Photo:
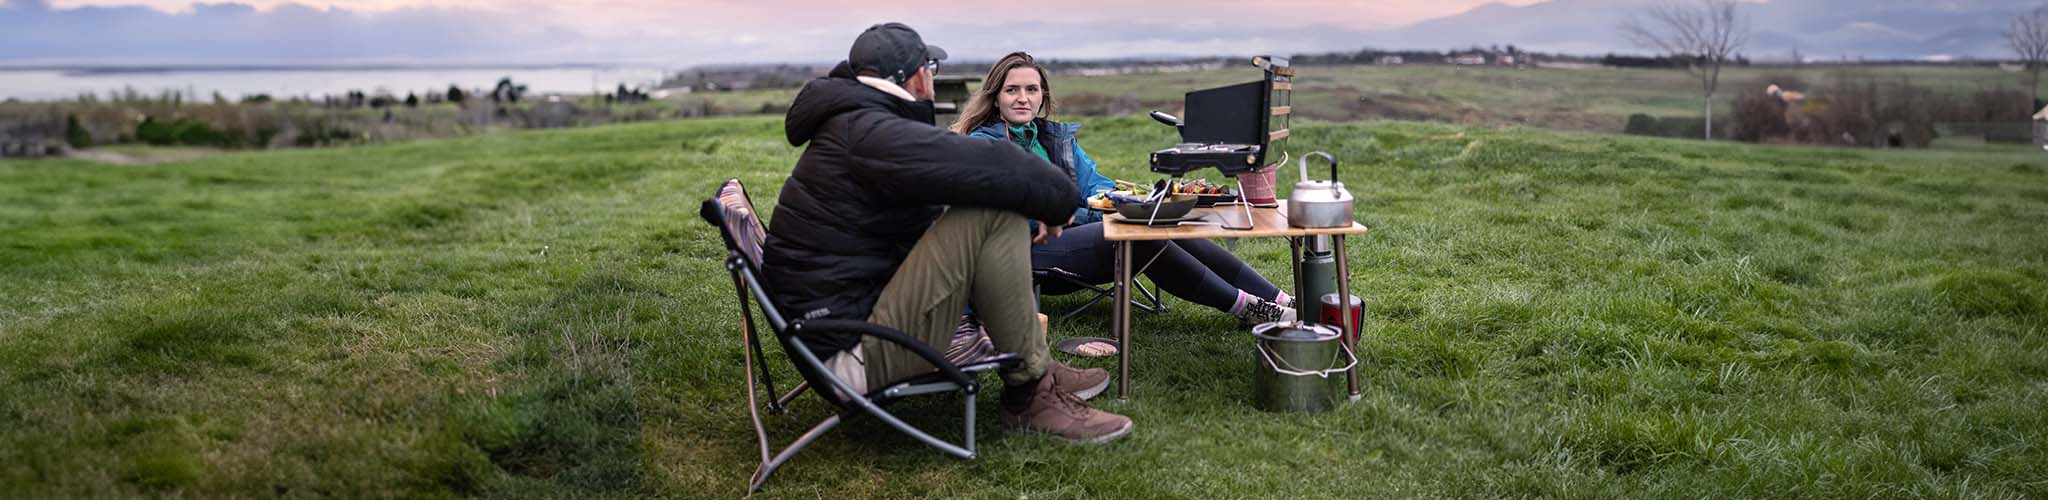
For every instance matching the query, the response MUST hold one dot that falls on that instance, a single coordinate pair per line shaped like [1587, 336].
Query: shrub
[186, 132]
[1867, 113]
[1759, 116]
[1852, 109]
[155, 133]
[1683, 127]
[1990, 105]
[1874, 114]
[76, 134]
[321, 133]
[1908, 114]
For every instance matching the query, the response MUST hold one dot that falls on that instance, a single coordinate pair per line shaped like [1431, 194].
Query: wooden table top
[1266, 222]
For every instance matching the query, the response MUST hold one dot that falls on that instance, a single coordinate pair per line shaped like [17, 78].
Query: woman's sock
[1243, 300]
[1284, 299]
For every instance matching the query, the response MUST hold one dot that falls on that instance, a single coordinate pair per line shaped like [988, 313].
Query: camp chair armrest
[893, 336]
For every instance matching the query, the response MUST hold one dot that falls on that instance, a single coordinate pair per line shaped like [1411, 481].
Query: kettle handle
[1326, 156]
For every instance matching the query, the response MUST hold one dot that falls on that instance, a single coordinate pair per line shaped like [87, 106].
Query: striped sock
[1285, 299]
[1243, 300]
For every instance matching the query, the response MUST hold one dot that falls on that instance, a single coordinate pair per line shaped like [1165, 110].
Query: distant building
[1390, 60]
[1471, 59]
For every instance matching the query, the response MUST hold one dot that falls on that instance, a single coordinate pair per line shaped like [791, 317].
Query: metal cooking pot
[1316, 204]
[1297, 366]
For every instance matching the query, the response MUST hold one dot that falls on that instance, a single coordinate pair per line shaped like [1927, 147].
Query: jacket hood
[839, 93]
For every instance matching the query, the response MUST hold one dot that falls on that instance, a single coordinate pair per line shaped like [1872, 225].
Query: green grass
[541, 314]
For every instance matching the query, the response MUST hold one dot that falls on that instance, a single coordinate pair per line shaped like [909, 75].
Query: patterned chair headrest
[738, 221]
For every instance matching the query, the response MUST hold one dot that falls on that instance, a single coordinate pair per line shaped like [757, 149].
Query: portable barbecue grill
[1230, 128]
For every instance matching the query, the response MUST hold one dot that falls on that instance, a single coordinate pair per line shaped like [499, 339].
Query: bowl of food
[1170, 207]
[1207, 194]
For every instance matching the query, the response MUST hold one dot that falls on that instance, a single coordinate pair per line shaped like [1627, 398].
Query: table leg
[1344, 310]
[1121, 323]
[1302, 302]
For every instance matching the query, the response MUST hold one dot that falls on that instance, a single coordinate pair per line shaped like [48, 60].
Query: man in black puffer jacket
[891, 220]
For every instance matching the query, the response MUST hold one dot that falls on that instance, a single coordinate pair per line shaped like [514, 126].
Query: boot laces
[1065, 402]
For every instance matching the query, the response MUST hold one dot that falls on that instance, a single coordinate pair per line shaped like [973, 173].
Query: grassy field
[541, 314]
[1595, 99]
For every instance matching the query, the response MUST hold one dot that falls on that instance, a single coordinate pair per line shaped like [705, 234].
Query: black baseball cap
[892, 51]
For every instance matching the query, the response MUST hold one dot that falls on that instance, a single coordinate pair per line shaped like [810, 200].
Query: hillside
[542, 314]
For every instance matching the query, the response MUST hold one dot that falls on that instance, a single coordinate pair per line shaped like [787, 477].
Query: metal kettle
[1319, 204]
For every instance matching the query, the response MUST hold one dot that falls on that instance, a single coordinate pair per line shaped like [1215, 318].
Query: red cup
[1333, 315]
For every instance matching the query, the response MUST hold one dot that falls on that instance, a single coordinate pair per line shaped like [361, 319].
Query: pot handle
[1280, 365]
[1303, 165]
[1326, 156]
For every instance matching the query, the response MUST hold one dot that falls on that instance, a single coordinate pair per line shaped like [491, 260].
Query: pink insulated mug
[1260, 187]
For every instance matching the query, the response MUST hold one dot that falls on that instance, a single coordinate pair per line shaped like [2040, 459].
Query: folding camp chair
[1145, 299]
[970, 354]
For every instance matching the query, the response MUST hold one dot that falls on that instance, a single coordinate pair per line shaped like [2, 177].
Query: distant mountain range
[1817, 29]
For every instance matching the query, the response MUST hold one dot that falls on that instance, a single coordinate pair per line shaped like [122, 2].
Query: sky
[657, 16]
[702, 31]
[676, 33]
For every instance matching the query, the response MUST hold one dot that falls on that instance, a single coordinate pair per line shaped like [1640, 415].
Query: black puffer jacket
[875, 175]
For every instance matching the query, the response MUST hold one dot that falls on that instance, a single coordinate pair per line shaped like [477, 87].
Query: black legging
[1196, 270]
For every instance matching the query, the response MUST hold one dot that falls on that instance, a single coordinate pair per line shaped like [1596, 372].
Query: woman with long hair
[1012, 105]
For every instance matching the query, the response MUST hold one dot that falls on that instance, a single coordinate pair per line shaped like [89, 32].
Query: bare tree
[1705, 35]
[2028, 38]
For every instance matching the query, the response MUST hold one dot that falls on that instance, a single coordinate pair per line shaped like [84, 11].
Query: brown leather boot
[1082, 383]
[1064, 416]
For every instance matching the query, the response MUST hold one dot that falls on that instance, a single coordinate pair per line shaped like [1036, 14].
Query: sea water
[232, 83]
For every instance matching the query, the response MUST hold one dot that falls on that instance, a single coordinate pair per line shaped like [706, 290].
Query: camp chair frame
[1146, 299]
[732, 212]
